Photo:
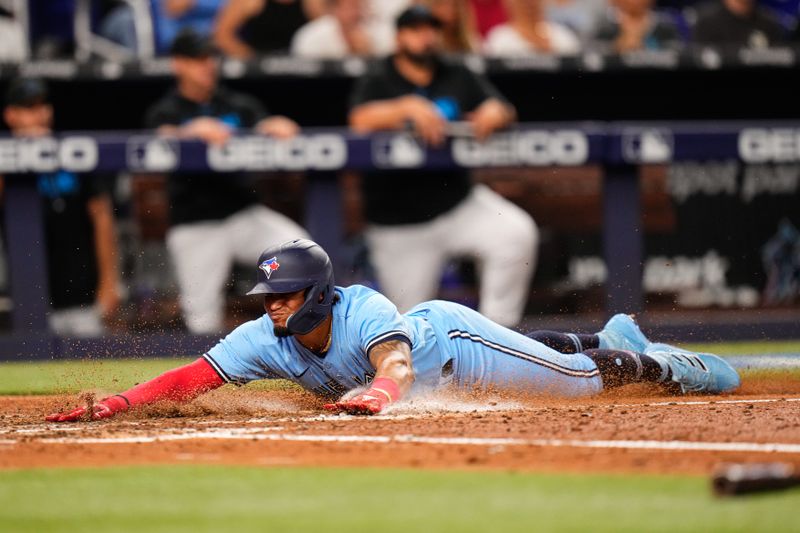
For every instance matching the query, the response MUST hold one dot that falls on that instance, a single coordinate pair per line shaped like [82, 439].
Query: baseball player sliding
[351, 344]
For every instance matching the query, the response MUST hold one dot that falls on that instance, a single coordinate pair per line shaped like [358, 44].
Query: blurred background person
[634, 25]
[386, 11]
[581, 16]
[248, 27]
[51, 29]
[528, 31]
[458, 33]
[215, 219]
[171, 16]
[345, 31]
[487, 14]
[738, 23]
[80, 233]
[12, 38]
[419, 219]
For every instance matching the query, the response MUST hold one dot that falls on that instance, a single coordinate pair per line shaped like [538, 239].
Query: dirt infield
[632, 430]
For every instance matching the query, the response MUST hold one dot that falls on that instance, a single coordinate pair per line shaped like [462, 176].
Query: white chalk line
[399, 416]
[702, 402]
[250, 434]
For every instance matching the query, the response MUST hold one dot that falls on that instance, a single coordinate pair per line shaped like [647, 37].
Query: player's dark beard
[281, 331]
[426, 58]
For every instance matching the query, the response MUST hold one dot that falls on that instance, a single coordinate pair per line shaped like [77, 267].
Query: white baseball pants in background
[499, 235]
[203, 254]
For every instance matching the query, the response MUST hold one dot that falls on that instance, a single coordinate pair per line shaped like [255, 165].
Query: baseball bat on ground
[738, 479]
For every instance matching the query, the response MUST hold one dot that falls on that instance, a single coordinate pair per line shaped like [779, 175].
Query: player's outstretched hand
[100, 410]
[367, 403]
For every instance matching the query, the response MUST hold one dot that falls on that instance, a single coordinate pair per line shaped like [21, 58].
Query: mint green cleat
[695, 372]
[622, 333]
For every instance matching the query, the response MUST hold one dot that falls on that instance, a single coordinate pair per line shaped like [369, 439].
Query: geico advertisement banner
[314, 152]
[523, 148]
[769, 145]
[46, 154]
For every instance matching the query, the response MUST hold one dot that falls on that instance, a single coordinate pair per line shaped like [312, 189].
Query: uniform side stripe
[522, 355]
[701, 363]
[692, 360]
[387, 336]
[217, 368]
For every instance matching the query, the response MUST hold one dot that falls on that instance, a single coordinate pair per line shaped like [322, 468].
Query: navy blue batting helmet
[294, 266]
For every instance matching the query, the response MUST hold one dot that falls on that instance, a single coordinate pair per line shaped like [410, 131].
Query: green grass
[242, 499]
[746, 347]
[51, 377]
[108, 375]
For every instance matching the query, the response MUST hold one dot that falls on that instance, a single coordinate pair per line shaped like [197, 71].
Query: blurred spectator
[216, 220]
[739, 23]
[581, 16]
[79, 224]
[458, 36]
[386, 11]
[781, 259]
[786, 11]
[118, 25]
[528, 31]
[12, 39]
[51, 28]
[633, 25]
[420, 218]
[247, 27]
[171, 16]
[487, 14]
[345, 31]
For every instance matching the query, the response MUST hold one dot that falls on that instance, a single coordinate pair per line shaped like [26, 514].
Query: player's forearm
[234, 47]
[315, 8]
[226, 38]
[398, 368]
[177, 8]
[105, 237]
[392, 360]
[379, 115]
[503, 114]
[394, 375]
[181, 385]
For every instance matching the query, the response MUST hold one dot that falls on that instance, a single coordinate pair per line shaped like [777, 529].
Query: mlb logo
[647, 145]
[153, 154]
[269, 266]
[400, 150]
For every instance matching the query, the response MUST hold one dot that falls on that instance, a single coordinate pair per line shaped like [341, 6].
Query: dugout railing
[620, 148]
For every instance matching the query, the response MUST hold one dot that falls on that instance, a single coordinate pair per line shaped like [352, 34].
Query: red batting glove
[106, 408]
[382, 392]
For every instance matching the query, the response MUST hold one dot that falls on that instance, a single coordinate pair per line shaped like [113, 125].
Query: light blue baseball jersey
[485, 354]
[449, 343]
[362, 318]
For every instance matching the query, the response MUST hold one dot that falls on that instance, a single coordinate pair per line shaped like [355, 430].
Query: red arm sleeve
[181, 384]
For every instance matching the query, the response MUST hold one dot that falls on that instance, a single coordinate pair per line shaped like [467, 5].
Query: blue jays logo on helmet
[269, 266]
[306, 267]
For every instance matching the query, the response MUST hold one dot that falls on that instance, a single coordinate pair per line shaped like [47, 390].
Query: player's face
[740, 6]
[634, 7]
[419, 43]
[523, 9]
[280, 307]
[199, 72]
[25, 119]
[446, 11]
[349, 12]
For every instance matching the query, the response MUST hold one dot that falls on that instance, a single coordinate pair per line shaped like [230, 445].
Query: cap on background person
[193, 45]
[26, 92]
[417, 15]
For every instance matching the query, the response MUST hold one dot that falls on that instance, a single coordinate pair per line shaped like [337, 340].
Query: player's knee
[524, 234]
